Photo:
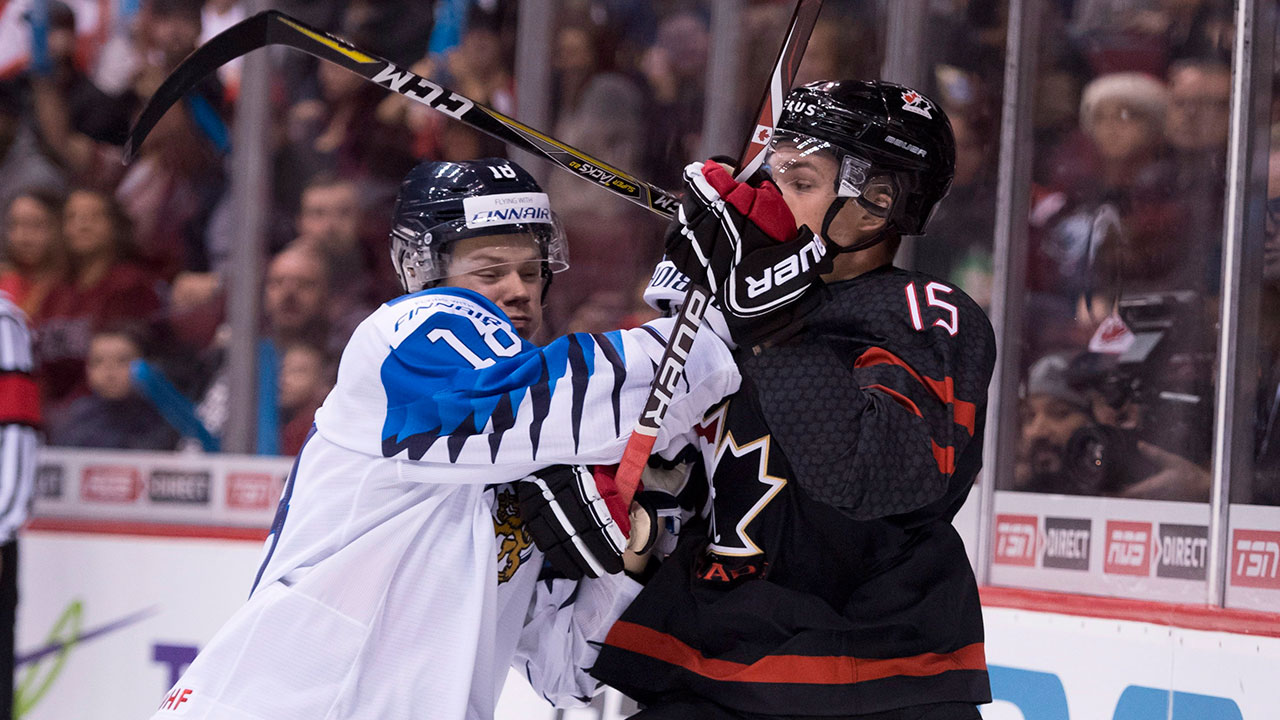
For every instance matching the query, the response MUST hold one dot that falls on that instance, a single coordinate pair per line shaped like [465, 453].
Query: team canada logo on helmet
[913, 101]
[889, 130]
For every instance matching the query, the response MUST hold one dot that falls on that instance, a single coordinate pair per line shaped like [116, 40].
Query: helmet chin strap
[836, 206]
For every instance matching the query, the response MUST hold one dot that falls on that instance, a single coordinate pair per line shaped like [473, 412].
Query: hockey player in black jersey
[829, 581]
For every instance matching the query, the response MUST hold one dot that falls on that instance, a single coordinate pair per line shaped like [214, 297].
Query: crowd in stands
[115, 263]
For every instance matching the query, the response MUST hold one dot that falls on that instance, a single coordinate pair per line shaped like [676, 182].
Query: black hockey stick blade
[671, 367]
[239, 39]
[275, 28]
[784, 73]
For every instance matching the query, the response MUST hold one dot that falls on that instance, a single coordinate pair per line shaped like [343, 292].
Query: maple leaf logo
[916, 103]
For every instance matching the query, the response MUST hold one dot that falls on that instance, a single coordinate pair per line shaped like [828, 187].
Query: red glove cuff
[607, 486]
[762, 206]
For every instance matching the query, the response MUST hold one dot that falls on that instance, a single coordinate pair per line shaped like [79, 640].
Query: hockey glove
[571, 523]
[742, 242]
[666, 293]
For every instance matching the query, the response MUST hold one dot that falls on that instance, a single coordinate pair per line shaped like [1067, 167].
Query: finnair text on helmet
[506, 209]
[788, 268]
[508, 216]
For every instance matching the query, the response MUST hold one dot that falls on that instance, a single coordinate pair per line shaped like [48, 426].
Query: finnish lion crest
[514, 544]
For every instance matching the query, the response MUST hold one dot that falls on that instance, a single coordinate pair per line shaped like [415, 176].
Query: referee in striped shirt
[19, 418]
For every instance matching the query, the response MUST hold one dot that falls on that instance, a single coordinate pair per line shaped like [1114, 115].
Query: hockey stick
[671, 367]
[276, 28]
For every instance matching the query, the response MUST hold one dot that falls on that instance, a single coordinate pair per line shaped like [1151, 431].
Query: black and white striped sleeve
[19, 418]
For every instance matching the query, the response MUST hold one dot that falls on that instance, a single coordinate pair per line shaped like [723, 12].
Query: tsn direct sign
[1016, 537]
[1255, 559]
[110, 484]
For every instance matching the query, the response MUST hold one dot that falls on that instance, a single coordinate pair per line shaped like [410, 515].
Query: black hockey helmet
[441, 203]
[878, 131]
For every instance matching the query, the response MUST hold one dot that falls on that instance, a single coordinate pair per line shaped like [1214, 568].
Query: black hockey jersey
[830, 581]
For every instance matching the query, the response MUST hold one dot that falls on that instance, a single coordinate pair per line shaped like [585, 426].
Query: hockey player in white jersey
[400, 580]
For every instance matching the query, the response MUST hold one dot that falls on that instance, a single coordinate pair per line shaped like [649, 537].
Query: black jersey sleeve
[878, 406]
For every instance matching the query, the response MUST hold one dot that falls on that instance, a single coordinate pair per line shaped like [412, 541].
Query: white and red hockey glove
[577, 522]
[741, 241]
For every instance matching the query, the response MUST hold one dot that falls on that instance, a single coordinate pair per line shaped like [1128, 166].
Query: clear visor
[424, 256]
[800, 163]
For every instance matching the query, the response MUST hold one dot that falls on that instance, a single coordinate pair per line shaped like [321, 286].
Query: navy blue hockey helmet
[894, 147]
[441, 203]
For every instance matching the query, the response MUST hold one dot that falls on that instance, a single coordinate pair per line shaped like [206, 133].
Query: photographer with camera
[1104, 423]
[1051, 412]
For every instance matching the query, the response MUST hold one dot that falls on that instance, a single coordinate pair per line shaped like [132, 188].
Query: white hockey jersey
[398, 582]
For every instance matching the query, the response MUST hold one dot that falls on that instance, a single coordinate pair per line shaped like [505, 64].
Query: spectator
[1077, 438]
[1113, 223]
[602, 114]
[1124, 115]
[295, 296]
[1199, 109]
[476, 68]
[19, 418]
[22, 165]
[1050, 412]
[172, 30]
[172, 188]
[103, 286]
[35, 256]
[79, 124]
[966, 222]
[112, 415]
[339, 133]
[330, 220]
[1197, 131]
[90, 111]
[675, 68]
[306, 376]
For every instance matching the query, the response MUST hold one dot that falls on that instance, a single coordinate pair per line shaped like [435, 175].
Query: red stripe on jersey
[965, 412]
[946, 458]
[902, 400]
[790, 669]
[19, 399]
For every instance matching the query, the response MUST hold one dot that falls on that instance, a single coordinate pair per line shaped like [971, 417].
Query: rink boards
[114, 604]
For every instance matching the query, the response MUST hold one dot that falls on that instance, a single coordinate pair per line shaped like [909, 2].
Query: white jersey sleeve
[566, 625]
[440, 377]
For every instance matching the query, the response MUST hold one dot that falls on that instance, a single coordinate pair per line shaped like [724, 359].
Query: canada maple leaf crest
[916, 103]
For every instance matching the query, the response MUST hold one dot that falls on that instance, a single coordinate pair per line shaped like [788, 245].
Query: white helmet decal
[916, 103]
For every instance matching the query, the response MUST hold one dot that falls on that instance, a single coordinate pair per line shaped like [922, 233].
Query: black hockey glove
[741, 241]
[571, 522]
